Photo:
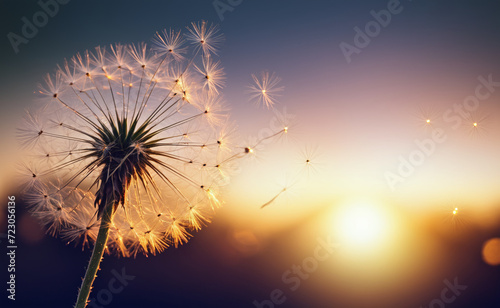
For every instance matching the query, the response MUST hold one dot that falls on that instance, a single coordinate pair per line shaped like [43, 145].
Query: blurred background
[407, 224]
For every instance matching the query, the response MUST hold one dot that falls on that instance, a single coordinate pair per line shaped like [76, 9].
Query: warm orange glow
[491, 251]
[475, 124]
[428, 121]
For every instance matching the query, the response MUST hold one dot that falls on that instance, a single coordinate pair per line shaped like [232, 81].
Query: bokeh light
[491, 251]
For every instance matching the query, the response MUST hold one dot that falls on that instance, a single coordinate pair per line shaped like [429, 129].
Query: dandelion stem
[95, 259]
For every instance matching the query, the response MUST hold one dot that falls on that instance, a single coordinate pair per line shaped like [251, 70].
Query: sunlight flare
[360, 223]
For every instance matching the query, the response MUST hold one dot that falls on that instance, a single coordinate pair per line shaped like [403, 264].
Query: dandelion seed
[170, 42]
[310, 160]
[264, 91]
[285, 189]
[213, 75]
[477, 124]
[427, 115]
[273, 199]
[204, 37]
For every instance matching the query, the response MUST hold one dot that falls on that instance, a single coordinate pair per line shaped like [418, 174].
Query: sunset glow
[361, 224]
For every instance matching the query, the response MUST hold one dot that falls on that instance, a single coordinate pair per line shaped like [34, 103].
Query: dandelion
[265, 89]
[131, 148]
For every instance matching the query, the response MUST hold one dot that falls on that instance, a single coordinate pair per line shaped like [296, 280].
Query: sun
[360, 223]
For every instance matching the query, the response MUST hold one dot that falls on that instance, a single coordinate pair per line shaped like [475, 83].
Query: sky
[387, 120]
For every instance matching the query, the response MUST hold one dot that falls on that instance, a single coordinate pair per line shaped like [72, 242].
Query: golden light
[475, 124]
[491, 251]
[264, 91]
[428, 121]
[360, 223]
[455, 211]
[286, 129]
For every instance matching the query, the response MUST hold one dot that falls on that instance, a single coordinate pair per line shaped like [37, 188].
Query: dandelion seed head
[135, 128]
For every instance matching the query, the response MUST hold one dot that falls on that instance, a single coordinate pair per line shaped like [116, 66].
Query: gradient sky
[360, 117]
